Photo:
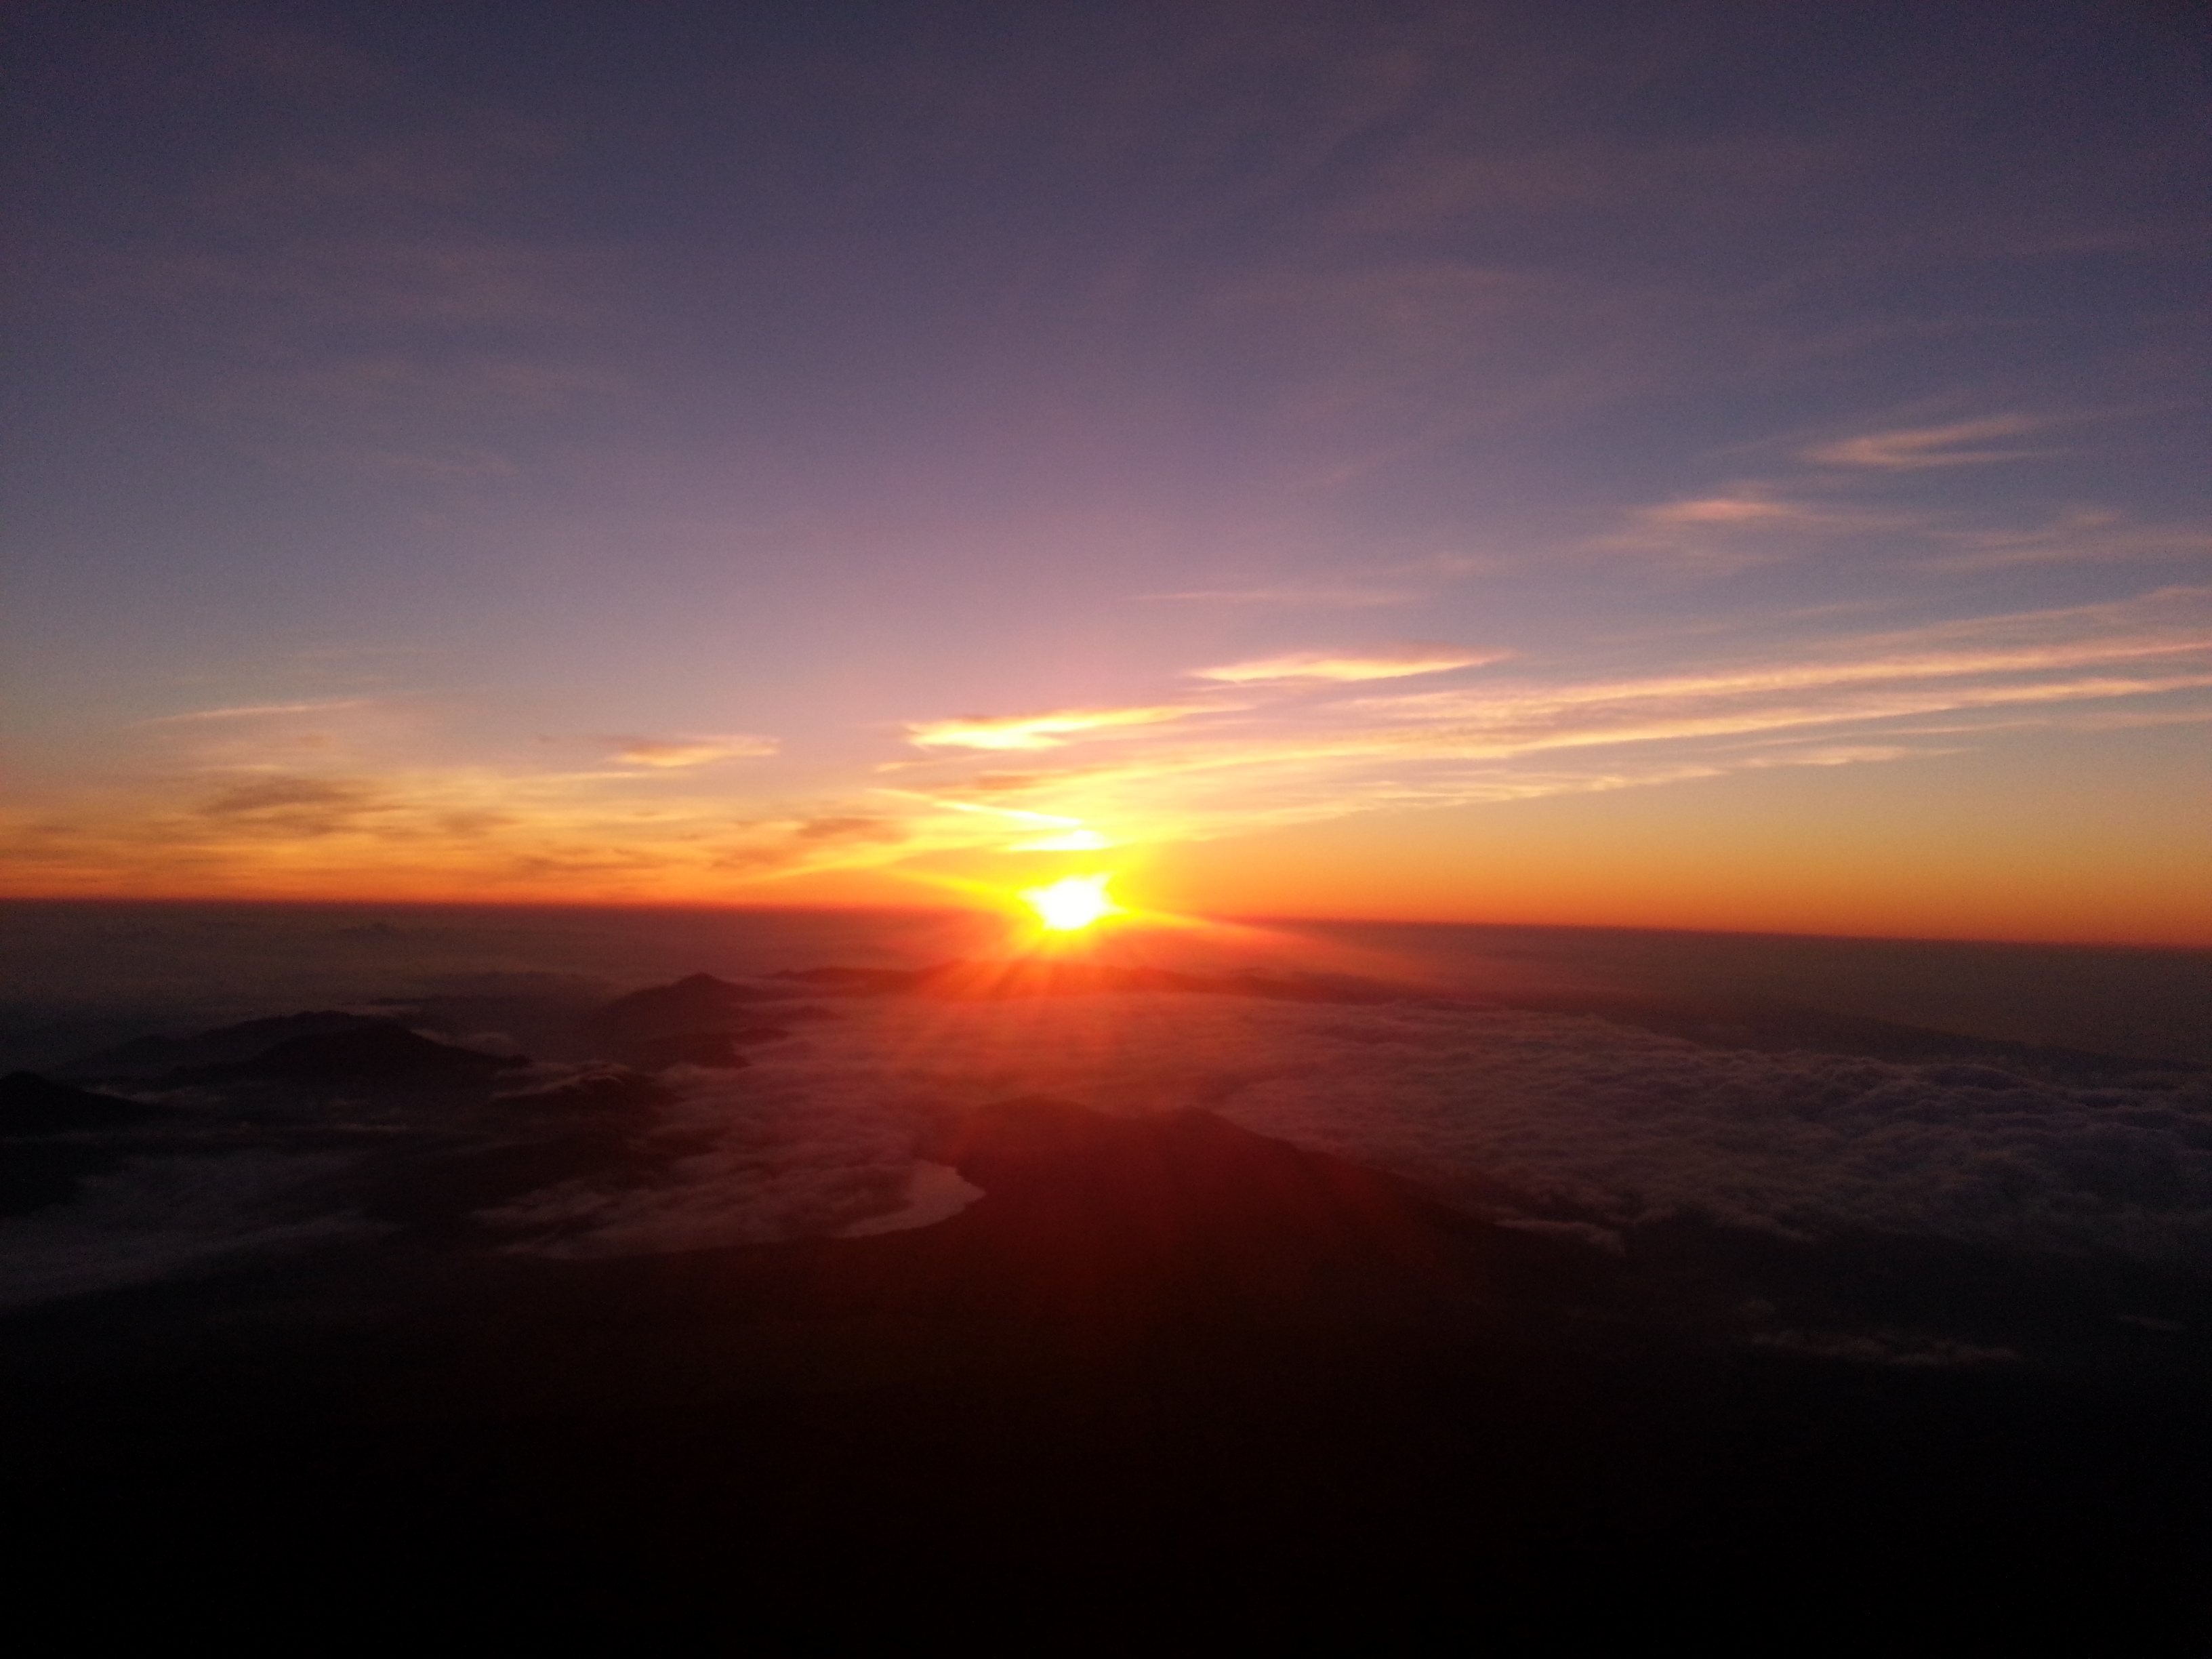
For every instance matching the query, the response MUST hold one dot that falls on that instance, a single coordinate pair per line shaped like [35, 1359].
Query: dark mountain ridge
[152, 1056]
[372, 1052]
[1166, 1372]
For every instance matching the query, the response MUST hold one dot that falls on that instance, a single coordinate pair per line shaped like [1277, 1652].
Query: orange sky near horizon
[1444, 461]
[1979, 848]
[1949, 859]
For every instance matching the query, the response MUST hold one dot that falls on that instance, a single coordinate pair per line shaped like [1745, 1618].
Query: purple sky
[654, 451]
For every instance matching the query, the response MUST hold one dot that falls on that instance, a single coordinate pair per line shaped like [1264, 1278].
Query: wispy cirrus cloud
[1667, 712]
[1767, 680]
[1299, 757]
[1744, 509]
[1957, 443]
[255, 711]
[1047, 832]
[1046, 731]
[1747, 524]
[1386, 664]
[1869, 487]
[666, 753]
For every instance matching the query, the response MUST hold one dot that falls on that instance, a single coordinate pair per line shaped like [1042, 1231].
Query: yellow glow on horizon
[1071, 903]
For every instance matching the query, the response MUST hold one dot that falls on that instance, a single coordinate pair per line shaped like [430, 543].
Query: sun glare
[1071, 903]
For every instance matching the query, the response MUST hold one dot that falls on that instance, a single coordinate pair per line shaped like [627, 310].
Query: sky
[1658, 465]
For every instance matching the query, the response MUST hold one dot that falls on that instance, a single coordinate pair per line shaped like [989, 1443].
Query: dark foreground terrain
[394, 1363]
[1167, 1382]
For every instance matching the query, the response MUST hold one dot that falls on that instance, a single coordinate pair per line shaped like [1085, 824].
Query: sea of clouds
[1557, 1123]
[1550, 1118]
[161, 1216]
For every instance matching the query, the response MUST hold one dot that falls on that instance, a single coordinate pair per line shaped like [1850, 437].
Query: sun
[1070, 903]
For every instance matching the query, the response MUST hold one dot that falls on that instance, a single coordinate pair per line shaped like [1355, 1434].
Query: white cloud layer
[1519, 1115]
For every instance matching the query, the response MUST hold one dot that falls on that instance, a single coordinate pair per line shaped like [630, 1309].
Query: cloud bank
[1549, 1119]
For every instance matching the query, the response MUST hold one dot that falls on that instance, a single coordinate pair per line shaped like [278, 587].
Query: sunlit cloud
[1833, 705]
[1015, 813]
[1067, 834]
[1777, 679]
[1042, 731]
[672, 752]
[1607, 721]
[1071, 840]
[1746, 524]
[1727, 509]
[253, 711]
[1914, 447]
[1384, 664]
